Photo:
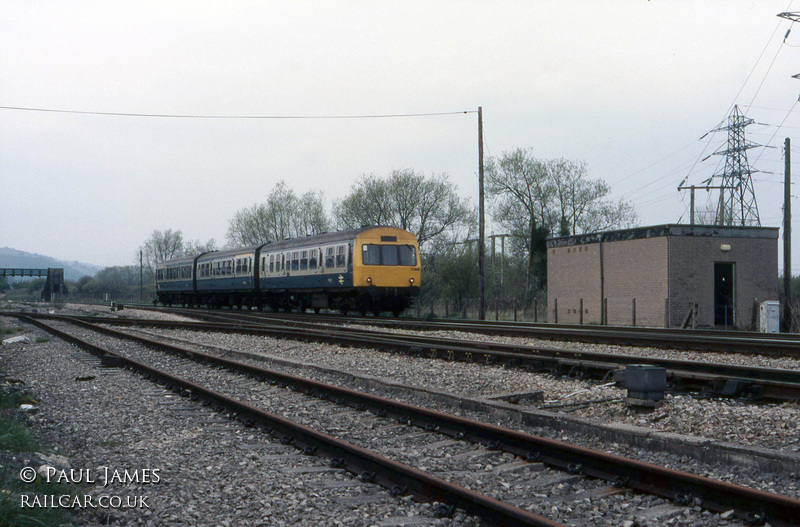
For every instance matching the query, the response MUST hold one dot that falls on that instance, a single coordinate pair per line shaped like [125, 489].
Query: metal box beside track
[769, 320]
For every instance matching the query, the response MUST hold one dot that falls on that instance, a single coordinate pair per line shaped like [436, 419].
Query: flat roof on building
[656, 231]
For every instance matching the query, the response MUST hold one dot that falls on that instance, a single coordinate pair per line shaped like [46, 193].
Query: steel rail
[765, 383]
[682, 487]
[697, 339]
[399, 478]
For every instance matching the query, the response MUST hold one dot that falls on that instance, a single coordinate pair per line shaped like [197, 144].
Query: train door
[724, 294]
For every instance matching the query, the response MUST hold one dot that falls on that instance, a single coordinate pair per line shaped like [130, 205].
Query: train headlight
[411, 281]
[369, 280]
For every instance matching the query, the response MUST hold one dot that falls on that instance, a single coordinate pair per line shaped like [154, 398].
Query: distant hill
[20, 259]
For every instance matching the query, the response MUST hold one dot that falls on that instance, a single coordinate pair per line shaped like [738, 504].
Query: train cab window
[312, 260]
[304, 260]
[329, 257]
[389, 255]
[371, 254]
[340, 256]
[295, 261]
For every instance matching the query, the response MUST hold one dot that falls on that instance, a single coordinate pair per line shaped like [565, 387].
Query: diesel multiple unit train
[371, 269]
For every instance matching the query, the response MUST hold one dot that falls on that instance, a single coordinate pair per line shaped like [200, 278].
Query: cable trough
[683, 488]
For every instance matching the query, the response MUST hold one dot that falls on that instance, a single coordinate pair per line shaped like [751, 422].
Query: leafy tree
[428, 207]
[283, 215]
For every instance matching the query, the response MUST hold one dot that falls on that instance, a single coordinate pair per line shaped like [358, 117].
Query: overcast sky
[627, 86]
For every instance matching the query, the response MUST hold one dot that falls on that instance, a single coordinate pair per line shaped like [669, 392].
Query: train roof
[315, 239]
[177, 261]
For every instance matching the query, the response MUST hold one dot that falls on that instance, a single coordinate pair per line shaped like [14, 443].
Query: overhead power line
[188, 116]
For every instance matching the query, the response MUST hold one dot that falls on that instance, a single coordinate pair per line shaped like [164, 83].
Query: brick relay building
[665, 275]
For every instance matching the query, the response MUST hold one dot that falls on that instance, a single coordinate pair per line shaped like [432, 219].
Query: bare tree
[428, 207]
[582, 206]
[195, 247]
[162, 245]
[169, 244]
[536, 198]
[283, 215]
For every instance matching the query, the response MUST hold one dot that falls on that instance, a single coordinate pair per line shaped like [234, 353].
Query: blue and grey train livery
[368, 269]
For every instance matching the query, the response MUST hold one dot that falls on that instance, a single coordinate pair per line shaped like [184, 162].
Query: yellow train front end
[386, 269]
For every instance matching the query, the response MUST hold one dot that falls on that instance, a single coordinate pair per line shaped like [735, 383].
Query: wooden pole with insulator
[482, 224]
[787, 237]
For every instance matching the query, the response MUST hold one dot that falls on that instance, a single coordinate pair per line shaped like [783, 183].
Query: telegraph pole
[787, 236]
[482, 225]
[141, 281]
[692, 189]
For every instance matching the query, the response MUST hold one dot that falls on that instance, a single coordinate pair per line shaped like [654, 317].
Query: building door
[724, 294]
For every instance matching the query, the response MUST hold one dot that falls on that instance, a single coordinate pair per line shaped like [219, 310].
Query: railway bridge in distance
[54, 284]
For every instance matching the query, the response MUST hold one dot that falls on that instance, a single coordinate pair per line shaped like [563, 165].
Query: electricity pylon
[737, 199]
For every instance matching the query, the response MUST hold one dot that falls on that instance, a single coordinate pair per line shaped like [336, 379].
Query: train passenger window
[340, 256]
[312, 260]
[295, 261]
[304, 261]
[271, 263]
[238, 266]
[329, 257]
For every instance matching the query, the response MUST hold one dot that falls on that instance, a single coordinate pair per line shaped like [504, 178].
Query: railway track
[719, 379]
[771, 344]
[685, 489]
